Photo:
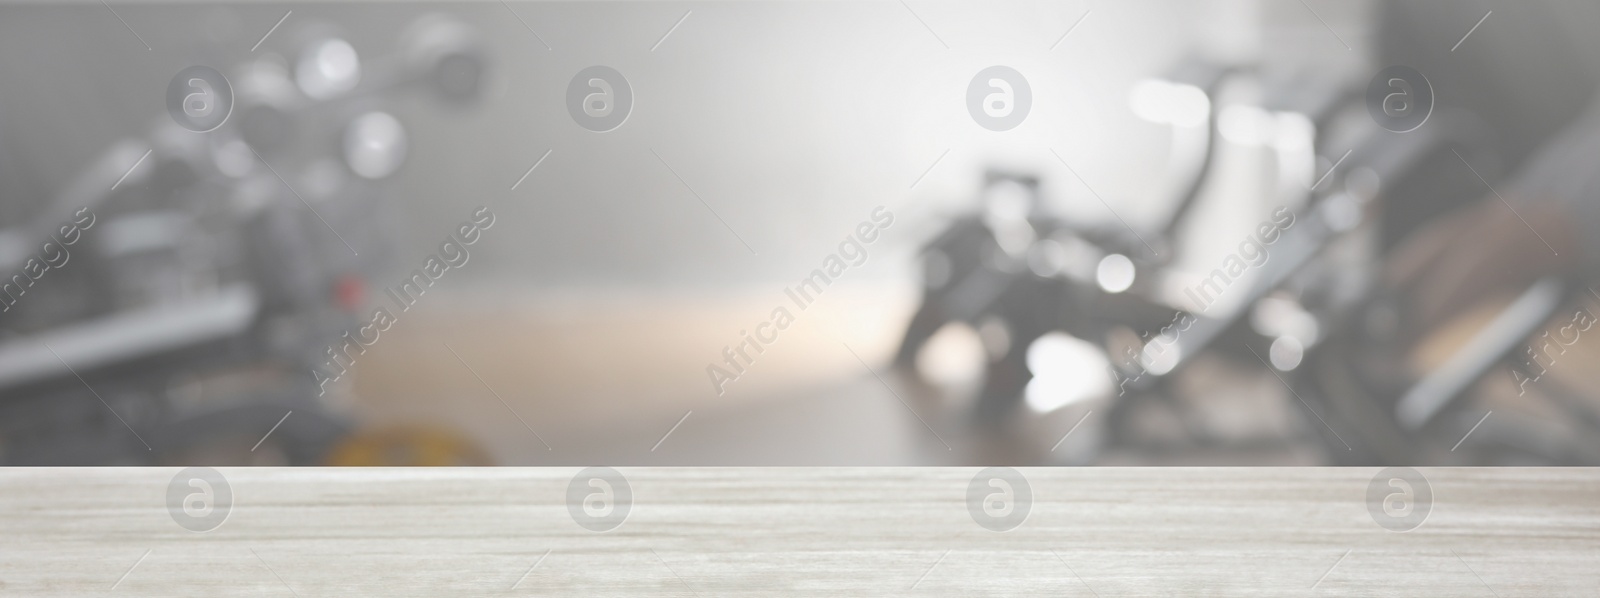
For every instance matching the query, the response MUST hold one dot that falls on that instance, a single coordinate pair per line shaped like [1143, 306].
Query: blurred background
[1251, 232]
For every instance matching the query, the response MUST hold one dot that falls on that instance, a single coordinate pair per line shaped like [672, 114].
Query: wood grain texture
[812, 532]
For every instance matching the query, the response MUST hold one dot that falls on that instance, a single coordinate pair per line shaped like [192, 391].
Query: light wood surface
[793, 531]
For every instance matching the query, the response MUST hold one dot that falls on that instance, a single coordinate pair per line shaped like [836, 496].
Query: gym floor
[612, 377]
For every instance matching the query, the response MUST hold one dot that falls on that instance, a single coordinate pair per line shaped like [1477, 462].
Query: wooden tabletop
[798, 531]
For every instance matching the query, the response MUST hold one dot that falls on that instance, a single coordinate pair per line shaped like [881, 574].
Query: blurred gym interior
[790, 240]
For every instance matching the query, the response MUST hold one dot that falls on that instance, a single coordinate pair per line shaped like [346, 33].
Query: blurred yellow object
[407, 446]
[1432, 351]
